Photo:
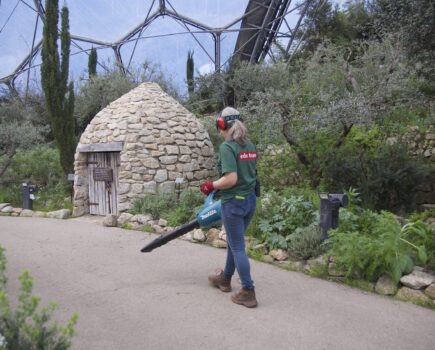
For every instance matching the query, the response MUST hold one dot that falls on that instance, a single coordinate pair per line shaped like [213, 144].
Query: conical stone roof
[159, 140]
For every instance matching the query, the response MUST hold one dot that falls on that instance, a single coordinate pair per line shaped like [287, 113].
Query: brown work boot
[245, 297]
[219, 280]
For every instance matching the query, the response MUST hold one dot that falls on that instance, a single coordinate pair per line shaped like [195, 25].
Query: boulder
[319, 262]
[212, 234]
[386, 286]
[142, 219]
[124, 217]
[188, 236]
[430, 291]
[415, 296]
[110, 220]
[4, 205]
[158, 229]
[162, 223]
[59, 214]
[268, 259]
[39, 214]
[279, 254]
[219, 243]
[27, 213]
[198, 235]
[333, 271]
[294, 265]
[417, 279]
[262, 248]
[7, 209]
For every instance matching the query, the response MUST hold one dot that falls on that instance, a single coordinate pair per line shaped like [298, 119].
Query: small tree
[190, 67]
[28, 326]
[16, 131]
[59, 95]
[331, 93]
[92, 63]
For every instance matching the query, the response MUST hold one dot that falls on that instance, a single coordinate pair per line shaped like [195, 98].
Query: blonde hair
[238, 133]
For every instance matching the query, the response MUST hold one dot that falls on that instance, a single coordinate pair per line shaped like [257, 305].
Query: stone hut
[144, 142]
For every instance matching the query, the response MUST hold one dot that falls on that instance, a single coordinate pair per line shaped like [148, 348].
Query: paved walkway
[161, 300]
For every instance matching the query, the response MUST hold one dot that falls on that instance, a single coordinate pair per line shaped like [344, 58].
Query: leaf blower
[210, 214]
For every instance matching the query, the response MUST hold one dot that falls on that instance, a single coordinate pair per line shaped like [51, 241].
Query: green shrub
[39, 166]
[284, 215]
[306, 243]
[422, 215]
[28, 327]
[153, 204]
[387, 249]
[278, 168]
[177, 211]
[422, 234]
[385, 175]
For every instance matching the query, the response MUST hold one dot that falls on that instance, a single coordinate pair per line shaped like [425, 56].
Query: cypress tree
[189, 72]
[59, 95]
[92, 63]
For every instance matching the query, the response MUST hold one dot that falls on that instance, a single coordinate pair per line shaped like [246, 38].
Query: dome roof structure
[141, 143]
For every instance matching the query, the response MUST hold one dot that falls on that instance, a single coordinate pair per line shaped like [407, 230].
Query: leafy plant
[39, 166]
[287, 215]
[275, 241]
[306, 243]
[177, 211]
[28, 327]
[385, 250]
[422, 215]
[422, 236]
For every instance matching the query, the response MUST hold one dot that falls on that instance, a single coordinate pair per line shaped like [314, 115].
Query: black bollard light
[28, 195]
[330, 204]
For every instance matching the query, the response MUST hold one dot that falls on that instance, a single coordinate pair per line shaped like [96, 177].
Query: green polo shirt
[241, 160]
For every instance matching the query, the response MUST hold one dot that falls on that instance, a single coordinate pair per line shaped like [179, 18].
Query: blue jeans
[236, 216]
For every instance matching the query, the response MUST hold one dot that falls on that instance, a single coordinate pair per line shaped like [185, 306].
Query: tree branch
[292, 142]
[9, 155]
[349, 76]
[344, 133]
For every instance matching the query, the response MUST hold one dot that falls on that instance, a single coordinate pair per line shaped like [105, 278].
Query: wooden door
[103, 182]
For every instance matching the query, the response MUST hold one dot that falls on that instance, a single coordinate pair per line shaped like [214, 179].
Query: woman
[237, 182]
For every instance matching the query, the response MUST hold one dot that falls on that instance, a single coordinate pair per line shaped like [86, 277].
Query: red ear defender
[220, 122]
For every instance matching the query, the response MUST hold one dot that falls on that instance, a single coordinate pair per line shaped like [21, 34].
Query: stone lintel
[100, 147]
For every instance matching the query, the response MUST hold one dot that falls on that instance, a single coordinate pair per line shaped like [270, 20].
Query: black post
[28, 195]
[27, 202]
[330, 204]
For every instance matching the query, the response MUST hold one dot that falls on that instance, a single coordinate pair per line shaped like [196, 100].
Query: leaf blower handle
[207, 187]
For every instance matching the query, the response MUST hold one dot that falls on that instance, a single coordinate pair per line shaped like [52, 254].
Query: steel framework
[262, 23]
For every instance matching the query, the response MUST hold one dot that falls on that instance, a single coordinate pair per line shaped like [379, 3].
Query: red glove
[207, 187]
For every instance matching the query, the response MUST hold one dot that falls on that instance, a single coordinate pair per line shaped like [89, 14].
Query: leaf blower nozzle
[210, 214]
[163, 239]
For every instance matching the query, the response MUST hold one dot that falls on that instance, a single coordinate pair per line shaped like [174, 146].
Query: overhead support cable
[308, 2]
[319, 4]
[139, 35]
[40, 9]
[10, 15]
[259, 27]
[184, 19]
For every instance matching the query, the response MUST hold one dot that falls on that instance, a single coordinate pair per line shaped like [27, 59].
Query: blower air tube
[163, 239]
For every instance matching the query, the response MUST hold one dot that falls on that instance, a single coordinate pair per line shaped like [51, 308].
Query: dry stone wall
[161, 141]
[421, 143]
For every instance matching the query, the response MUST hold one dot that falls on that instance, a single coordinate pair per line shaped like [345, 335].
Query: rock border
[7, 210]
[417, 287]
